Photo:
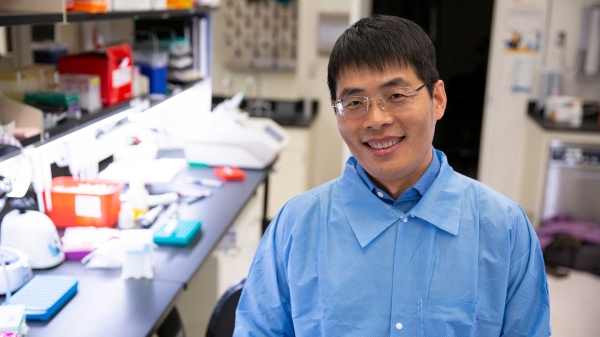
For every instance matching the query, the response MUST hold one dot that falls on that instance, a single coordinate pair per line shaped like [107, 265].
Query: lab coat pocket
[447, 318]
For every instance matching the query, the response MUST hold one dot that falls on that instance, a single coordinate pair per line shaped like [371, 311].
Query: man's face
[409, 131]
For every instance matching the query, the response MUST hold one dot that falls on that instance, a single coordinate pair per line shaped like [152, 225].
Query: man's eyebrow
[395, 82]
[351, 91]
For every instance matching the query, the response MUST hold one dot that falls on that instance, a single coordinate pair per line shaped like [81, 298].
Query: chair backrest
[222, 321]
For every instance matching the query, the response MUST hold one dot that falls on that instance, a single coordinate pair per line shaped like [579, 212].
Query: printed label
[121, 77]
[88, 206]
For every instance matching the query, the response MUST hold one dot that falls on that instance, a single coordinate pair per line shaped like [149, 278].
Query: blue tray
[45, 295]
[180, 235]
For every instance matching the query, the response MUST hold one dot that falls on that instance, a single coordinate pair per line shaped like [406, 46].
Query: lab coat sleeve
[527, 310]
[264, 307]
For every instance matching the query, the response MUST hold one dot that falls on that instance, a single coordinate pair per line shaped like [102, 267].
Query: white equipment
[14, 266]
[34, 234]
[228, 137]
[15, 270]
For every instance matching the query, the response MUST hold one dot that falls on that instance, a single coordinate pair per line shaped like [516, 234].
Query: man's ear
[439, 99]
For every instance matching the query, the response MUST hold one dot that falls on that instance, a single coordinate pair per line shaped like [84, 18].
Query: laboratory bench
[107, 305]
[217, 213]
[590, 123]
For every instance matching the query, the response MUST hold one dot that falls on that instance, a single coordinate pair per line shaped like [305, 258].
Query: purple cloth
[563, 224]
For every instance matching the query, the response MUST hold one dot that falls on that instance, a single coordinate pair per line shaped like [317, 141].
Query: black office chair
[222, 321]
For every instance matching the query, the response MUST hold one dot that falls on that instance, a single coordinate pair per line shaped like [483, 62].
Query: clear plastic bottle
[138, 197]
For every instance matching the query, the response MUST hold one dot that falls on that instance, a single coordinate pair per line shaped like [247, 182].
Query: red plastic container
[71, 208]
[114, 66]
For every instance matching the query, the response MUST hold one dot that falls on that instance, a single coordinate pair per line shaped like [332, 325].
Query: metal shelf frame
[21, 17]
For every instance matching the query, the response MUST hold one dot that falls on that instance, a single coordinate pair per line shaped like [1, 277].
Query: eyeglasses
[392, 100]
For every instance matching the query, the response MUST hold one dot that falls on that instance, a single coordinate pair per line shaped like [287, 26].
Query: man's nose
[377, 116]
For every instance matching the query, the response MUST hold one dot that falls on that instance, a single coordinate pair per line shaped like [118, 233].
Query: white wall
[309, 80]
[503, 140]
[327, 144]
[358, 10]
[275, 85]
[566, 16]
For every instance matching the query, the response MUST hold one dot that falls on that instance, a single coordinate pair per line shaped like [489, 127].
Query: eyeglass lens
[392, 100]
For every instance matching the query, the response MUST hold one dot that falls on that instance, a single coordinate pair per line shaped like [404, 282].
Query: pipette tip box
[45, 295]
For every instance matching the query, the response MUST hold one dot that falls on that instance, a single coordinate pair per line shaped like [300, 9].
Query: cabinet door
[290, 175]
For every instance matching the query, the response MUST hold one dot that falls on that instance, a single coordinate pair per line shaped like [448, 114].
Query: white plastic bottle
[126, 216]
[138, 197]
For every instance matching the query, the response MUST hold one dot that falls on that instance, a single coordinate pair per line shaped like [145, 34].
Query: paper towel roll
[592, 59]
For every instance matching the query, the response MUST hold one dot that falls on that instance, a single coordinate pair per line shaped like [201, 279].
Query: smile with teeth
[384, 145]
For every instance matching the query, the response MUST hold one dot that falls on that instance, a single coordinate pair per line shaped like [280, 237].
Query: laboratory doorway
[460, 31]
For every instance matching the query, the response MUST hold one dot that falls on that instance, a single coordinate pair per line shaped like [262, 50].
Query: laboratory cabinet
[538, 165]
[229, 263]
[289, 176]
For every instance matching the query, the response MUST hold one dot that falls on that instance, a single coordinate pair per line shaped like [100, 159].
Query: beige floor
[575, 305]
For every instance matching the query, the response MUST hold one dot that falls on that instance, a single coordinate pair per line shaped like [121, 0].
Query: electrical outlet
[561, 39]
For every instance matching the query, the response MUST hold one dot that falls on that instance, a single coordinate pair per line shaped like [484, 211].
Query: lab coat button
[405, 219]
[399, 326]
[379, 194]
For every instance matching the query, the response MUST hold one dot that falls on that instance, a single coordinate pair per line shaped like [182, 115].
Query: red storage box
[114, 66]
[84, 202]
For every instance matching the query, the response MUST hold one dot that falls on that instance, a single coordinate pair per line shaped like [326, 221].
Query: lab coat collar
[369, 216]
[441, 204]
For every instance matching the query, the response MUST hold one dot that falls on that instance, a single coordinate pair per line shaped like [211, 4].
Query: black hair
[380, 41]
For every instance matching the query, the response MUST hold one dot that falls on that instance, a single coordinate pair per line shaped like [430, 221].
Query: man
[400, 245]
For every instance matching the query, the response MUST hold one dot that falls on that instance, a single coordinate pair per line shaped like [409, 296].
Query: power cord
[6, 279]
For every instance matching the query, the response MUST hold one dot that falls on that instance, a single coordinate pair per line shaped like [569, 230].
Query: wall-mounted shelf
[139, 15]
[21, 17]
[48, 12]
[72, 126]
[87, 119]
[15, 18]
